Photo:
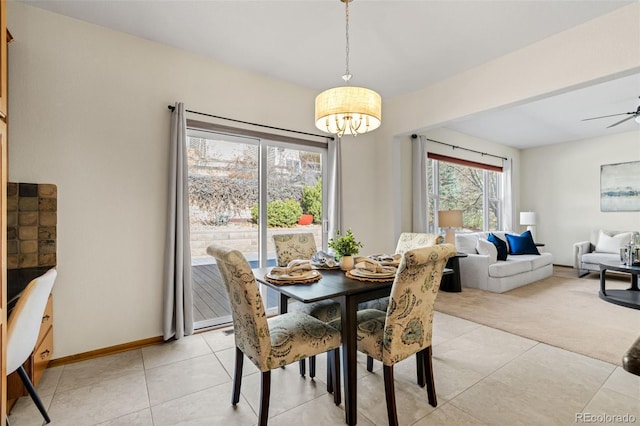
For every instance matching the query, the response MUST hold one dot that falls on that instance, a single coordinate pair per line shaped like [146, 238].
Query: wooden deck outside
[209, 295]
[210, 299]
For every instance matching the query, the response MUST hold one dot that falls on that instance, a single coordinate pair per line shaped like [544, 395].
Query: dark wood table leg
[634, 283]
[349, 358]
[283, 303]
[602, 274]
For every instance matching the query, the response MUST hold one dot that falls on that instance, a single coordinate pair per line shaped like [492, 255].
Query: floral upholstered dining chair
[405, 328]
[413, 240]
[407, 241]
[273, 342]
[295, 246]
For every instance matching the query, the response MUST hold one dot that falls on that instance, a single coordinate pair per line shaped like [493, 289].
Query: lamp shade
[450, 218]
[348, 109]
[528, 218]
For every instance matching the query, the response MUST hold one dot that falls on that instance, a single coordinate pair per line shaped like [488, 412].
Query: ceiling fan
[631, 115]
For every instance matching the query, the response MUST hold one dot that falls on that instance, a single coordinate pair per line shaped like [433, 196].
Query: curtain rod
[171, 107]
[414, 136]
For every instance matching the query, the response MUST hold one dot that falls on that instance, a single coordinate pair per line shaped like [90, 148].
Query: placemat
[290, 282]
[371, 279]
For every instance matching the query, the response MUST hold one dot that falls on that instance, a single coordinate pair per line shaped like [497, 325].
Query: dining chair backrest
[414, 240]
[251, 329]
[294, 246]
[23, 325]
[409, 320]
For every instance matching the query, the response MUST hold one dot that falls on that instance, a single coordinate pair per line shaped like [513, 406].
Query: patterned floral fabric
[324, 310]
[303, 246]
[406, 327]
[407, 241]
[413, 240]
[274, 342]
[294, 246]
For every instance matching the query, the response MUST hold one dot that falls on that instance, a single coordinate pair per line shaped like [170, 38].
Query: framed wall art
[620, 187]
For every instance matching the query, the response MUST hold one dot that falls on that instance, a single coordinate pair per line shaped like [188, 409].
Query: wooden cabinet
[37, 362]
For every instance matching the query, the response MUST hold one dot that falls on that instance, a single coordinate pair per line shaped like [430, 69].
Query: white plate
[368, 274]
[285, 277]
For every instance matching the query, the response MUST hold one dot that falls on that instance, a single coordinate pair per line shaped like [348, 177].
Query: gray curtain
[507, 195]
[419, 187]
[178, 298]
[334, 161]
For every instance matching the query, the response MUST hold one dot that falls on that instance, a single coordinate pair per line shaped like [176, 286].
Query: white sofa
[480, 271]
[604, 245]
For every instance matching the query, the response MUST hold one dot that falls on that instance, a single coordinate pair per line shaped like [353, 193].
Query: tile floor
[483, 376]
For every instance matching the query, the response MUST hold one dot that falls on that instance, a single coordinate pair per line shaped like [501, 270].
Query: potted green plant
[345, 247]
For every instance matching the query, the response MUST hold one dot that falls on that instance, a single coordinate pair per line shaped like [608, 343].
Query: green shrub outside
[281, 214]
[312, 201]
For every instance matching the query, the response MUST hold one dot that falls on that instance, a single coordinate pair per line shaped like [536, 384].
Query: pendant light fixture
[348, 109]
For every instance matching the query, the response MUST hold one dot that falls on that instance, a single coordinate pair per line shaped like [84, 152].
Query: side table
[451, 282]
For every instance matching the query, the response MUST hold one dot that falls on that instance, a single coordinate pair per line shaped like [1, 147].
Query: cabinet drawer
[47, 319]
[42, 355]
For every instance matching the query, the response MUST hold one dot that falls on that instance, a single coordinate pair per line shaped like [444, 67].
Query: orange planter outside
[305, 219]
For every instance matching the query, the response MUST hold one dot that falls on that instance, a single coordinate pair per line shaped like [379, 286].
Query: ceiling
[396, 47]
[559, 118]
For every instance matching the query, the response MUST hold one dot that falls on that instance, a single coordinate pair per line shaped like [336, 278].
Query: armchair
[603, 245]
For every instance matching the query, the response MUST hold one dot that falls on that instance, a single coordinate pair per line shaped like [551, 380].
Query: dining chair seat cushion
[295, 336]
[324, 310]
[370, 331]
[362, 316]
[379, 304]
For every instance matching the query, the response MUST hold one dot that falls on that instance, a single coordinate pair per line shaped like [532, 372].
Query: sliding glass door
[241, 192]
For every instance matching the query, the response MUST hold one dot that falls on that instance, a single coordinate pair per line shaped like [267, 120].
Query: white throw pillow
[466, 242]
[487, 248]
[607, 244]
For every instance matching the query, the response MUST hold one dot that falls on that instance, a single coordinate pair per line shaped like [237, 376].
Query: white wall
[562, 184]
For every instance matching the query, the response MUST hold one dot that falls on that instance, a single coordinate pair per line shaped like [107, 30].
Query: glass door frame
[263, 178]
[263, 145]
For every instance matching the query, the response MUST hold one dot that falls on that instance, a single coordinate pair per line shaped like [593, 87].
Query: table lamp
[530, 219]
[450, 219]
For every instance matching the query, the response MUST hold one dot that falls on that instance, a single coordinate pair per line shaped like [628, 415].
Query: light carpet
[560, 311]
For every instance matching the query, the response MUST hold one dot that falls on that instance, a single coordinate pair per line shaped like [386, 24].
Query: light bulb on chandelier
[348, 109]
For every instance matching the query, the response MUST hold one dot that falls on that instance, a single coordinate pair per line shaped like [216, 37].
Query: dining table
[348, 292]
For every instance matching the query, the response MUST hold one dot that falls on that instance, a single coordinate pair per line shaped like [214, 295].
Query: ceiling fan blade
[621, 121]
[605, 116]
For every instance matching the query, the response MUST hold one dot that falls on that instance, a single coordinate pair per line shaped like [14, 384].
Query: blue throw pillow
[522, 244]
[500, 245]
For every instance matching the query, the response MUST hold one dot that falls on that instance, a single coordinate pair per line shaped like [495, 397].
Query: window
[474, 188]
